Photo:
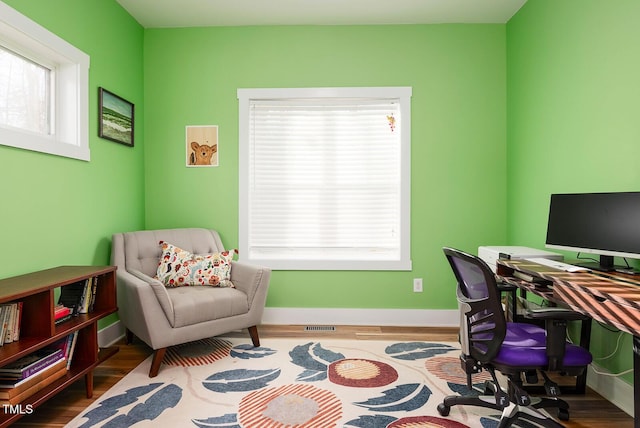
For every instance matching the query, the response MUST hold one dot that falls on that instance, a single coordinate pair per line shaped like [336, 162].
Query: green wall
[566, 72]
[60, 211]
[573, 72]
[458, 75]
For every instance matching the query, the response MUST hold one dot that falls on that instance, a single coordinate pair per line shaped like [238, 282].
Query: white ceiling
[205, 13]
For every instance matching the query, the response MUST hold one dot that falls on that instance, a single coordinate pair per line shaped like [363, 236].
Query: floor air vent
[319, 328]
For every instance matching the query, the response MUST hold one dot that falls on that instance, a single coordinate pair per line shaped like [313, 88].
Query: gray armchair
[163, 317]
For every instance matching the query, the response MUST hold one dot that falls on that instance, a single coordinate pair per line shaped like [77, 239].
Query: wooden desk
[609, 298]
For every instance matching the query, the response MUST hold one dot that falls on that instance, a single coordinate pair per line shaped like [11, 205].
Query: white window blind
[326, 179]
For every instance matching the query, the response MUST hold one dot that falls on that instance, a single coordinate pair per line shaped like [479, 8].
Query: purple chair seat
[525, 346]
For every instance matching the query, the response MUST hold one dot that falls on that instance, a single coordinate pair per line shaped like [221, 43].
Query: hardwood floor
[587, 411]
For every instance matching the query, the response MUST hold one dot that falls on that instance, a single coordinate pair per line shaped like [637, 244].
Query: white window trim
[71, 109]
[402, 93]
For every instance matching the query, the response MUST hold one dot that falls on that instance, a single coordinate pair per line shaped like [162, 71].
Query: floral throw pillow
[178, 267]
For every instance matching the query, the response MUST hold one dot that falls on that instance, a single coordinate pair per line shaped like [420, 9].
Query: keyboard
[557, 265]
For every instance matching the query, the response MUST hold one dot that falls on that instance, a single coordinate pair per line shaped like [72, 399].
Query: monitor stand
[606, 265]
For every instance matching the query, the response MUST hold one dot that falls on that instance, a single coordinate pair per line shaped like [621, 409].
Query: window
[25, 92]
[43, 89]
[325, 178]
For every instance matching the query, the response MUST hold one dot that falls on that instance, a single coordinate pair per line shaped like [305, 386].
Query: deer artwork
[202, 153]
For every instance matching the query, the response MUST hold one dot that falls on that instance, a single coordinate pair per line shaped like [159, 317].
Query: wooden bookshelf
[37, 293]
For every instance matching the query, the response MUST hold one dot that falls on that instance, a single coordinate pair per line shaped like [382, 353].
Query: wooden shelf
[38, 329]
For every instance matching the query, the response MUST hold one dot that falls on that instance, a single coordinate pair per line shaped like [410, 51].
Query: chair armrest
[143, 276]
[503, 286]
[555, 322]
[554, 313]
[252, 280]
[136, 279]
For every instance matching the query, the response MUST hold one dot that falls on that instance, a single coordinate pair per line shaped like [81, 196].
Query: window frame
[403, 95]
[70, 87]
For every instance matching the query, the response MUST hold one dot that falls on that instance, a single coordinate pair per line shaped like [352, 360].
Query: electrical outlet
[417, 285]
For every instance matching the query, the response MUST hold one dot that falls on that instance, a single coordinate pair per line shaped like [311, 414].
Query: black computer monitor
[604, 224]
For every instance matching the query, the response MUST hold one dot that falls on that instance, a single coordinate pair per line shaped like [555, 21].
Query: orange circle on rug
[449, 370]
[361, 373]
[290, 405]
[198, 353]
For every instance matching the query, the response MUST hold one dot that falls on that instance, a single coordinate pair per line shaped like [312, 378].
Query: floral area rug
[227, 383]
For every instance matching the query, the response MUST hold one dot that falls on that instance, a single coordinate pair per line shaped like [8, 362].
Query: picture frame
[201, 146]
[116, 118]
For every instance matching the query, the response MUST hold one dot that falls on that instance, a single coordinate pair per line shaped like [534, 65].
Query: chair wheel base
[443, 409]
[563, 414]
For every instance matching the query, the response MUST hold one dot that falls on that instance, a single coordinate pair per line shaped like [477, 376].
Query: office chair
[517, 350]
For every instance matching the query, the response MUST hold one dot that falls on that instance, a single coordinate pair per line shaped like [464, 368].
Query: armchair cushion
[194, 305]
[178, 267]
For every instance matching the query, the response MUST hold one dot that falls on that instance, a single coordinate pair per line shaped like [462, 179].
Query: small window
[43, 89]
[325, 178]
[25, 91]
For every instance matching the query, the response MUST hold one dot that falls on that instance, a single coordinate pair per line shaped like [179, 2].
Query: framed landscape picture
[116, 118]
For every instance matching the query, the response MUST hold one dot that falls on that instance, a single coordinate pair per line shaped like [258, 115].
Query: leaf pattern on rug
[376, 421]
[246, 351]
[165, 398]
[240, 380]
[494, 420]
[417, 350]
[410, 396]
[456, 388]
[264, 377]
[315, 359]
[230, 420]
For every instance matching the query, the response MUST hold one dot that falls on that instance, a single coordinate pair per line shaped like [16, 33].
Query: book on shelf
[13, 313]
[10, 318]
[79, 296]
[10, 388]
[18, 395]
[94, 287]
[85, 300]
[64, 344]
[16, 327]
[4, 322]
[63, 319]
[73, 338]
[71, 294]
[60, 311]
[30, 364]
[61, 314]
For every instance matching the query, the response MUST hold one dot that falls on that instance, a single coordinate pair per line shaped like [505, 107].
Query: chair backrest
[482, 321]
[142, 250]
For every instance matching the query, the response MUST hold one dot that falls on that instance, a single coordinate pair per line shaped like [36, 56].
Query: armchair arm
[159, 290]
[140, 307]
[252, 280]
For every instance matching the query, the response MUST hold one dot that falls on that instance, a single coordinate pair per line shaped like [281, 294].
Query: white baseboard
[110, 334]
[306, 316]
[611, 388]
[343, 316]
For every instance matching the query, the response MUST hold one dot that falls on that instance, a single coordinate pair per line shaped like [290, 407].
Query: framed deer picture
[201, 146]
